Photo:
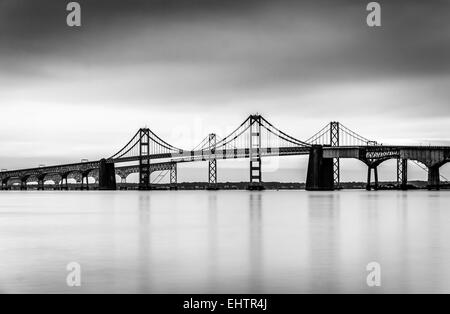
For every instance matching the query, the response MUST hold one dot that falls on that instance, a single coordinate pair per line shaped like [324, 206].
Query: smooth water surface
[225, 241]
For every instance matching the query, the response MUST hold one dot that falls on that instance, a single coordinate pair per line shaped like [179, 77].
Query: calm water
[224, 242]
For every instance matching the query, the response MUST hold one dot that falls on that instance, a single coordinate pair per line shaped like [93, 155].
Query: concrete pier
[433, 178]
[107, 176]
[369, 185]
[403, 174]
[320, 171]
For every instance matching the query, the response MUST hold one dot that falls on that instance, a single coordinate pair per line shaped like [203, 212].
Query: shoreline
[198, 186]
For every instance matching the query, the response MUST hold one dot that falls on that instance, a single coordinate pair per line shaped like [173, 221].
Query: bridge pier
[85, 179]
[173, 177]
[369, 185]
[41, 182]
[64, 182]
[402, 174]
[40, 185]
[107, 176]
[212, 164]
[4, 184]
[23, 184]
[320, 175]
[434, 179]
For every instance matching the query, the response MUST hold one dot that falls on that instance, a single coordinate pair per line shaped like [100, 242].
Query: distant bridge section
[80, 172]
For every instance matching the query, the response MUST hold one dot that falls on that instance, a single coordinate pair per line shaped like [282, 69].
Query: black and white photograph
[222, 152]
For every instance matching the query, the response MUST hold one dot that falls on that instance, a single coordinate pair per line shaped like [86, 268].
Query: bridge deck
[426, 154]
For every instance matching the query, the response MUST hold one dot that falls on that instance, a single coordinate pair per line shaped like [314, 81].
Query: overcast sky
[186, 68]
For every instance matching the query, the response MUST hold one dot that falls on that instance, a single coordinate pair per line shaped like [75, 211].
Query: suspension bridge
[254, 139]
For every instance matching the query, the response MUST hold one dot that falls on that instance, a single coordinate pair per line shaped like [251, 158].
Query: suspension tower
[144, 159]
[335, 142]
[212, 141]
[255, 153]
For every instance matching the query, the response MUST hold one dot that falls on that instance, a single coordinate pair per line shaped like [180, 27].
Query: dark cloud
[279, 39]
[311, 59]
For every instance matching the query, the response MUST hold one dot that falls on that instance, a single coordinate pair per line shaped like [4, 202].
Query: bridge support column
[107, 176]
[212, 163]
[320, 175]
[144, 160]
[369, 185]
[40, 184]
[402, 174]
[23, 184]
[434, 180]
[335, 142]
[64, 183]
[4, 184]
[255, 154]
[173, 177]
[85, 178]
